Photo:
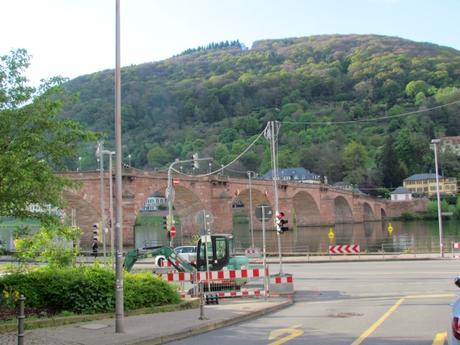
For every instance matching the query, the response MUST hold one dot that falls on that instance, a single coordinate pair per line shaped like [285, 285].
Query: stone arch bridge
[303, 204]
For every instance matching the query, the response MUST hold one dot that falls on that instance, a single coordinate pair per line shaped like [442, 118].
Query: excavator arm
[176, 260]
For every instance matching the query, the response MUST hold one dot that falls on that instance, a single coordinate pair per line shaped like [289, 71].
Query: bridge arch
[258, 198]
[343, 212]
[368, 213]
[85, 215]
[306, 209]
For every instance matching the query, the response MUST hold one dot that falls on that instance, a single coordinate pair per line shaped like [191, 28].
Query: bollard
[201, 288]
[21, 318]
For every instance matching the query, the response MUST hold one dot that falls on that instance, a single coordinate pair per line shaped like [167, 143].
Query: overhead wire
[224, 166]
[370, 119]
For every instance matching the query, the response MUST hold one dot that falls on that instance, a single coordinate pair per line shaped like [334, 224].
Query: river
[410, 236]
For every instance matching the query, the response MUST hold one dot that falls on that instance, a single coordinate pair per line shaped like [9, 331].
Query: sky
[74, 37]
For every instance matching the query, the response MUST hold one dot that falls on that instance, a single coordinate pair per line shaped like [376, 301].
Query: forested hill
[214, 100]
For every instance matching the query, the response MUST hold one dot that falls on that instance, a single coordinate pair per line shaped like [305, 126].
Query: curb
[210, 326]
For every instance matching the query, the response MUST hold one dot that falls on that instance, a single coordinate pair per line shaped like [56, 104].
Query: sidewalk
[152, 328]
[360, 257]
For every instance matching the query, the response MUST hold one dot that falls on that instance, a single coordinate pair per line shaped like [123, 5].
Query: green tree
[54, 243]
[392, 170]
[34, 141]
[356, 160]
[416, 86]
[158, 156]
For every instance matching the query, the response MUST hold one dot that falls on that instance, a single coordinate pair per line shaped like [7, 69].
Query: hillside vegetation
[215, 100]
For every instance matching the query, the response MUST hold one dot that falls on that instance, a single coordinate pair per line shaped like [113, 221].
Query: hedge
[84, 290]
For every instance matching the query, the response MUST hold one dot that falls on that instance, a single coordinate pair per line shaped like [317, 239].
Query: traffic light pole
[274, 128]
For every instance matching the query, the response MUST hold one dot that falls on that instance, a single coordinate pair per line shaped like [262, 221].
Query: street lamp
[435, 143]
[250, 207]
[129, 160]
[79, 164]
[100, 155]
[112, 243]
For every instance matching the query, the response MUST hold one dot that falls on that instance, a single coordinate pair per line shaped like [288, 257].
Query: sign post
[264, 213]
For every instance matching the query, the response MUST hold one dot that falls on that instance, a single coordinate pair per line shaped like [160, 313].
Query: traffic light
[281, 222]
[196, 163]
[94, 244]
[164, 222]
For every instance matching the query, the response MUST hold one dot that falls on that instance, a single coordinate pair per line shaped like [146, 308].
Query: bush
[407, 216]
[84, 290]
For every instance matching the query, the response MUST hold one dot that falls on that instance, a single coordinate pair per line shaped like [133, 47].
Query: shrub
[85, 289]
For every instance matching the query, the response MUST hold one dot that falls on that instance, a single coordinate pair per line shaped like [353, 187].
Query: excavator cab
[219, 250]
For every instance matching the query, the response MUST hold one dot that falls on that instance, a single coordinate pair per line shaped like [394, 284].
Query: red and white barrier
[213, 275]
[241, 293]
[344, 249]
[282, 280]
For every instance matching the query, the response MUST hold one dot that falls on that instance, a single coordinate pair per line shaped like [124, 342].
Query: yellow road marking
[376, 324]
[292, 332]
[439, 338]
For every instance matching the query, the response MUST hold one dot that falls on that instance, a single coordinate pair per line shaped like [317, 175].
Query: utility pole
[435, 143]
[271, 133]
[119, 292]
[250, 209]
[100, 154]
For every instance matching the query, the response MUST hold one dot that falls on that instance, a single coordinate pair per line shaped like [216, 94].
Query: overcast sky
[74, 37]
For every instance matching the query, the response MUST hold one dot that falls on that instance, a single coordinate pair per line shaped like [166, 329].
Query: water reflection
[418, 236]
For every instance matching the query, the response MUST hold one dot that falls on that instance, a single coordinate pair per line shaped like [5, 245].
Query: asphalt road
[354, 303]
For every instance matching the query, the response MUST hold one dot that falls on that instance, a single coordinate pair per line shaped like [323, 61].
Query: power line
[374, 119]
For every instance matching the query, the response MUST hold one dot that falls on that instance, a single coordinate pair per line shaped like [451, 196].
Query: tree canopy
[34, 141]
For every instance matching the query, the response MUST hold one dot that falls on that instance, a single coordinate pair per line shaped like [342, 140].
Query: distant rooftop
[420, 177]
[293, 174]
[401, 190]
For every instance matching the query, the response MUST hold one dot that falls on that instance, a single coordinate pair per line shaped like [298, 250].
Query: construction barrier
[455, 246]
[344, 249]
[213, 275]
[281, 284]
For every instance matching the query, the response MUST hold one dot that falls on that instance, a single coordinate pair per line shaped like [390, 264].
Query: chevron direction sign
[344, 249]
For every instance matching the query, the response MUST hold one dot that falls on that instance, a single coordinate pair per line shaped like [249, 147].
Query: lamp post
[435, 143]
[250, 208]
[100, 155]
[119, 291]
[129, 159]
[112, 243]
[79, 163]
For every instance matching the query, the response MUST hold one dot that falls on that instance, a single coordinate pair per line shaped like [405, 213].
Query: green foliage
[55, 244]
[85, 289]
[407, 216]
[34, 141]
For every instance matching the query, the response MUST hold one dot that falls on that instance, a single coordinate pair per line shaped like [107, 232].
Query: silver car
[454, 327]
[188, 253]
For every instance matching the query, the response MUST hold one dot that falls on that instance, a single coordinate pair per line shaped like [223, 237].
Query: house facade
[153, 201]
[425, 184]
[401, 194]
